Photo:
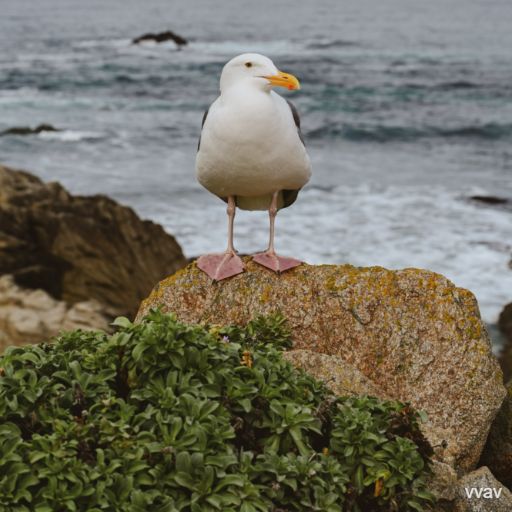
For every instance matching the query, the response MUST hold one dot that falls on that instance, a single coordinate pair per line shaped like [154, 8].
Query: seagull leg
[227, 264]
[269, 258]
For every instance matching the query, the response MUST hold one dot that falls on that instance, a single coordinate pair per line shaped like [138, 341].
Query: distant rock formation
[411, 333]
[491, 200]
[31, 316]
[27, 130]
[161, 37]
[79, 248]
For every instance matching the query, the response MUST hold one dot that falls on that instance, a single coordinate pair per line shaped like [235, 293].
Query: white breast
[250, 146]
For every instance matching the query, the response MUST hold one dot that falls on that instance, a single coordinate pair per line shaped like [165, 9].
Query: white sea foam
[71, 135]
[235, 47]
[203, 49]
[102, 42]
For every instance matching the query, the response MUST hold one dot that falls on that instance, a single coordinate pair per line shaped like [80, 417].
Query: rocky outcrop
[492, 495]
[27, 130]
[411, 332]
[505, 326]
[505, 321]
[498, 450]
[161, 37]
[80, 248]
[31, 316]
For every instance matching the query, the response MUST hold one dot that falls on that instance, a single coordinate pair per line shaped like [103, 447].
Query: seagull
[251, 154]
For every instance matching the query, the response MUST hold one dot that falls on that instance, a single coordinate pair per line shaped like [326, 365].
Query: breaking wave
[382, 133]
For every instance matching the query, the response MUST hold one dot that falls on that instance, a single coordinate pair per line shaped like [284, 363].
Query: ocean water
[406, 109]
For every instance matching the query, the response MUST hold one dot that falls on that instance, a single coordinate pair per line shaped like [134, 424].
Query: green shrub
[163, 416]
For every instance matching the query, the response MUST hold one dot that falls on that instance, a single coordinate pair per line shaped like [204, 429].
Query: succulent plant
[167, 417]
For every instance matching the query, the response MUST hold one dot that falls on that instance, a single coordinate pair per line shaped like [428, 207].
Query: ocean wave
[382, 133]
[491, 131]
[443, 86]
[458, 84]
[72, 136]
[364, 133]
[325, 45]
[232, 47]
[101, 43]
[8, 96]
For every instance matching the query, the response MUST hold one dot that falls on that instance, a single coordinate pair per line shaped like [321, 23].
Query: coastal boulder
[505, 321]
[411, 332]
[498, 450]
[505, 326]
[492, 495]
[31, 316]
[79, 248]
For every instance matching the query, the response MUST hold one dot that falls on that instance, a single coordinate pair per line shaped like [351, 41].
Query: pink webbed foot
[221, 266]
[274, 262]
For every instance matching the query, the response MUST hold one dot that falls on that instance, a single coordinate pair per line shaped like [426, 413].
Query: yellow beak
[284, 80]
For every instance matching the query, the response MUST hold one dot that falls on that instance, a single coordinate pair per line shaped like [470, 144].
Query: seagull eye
[248, 64]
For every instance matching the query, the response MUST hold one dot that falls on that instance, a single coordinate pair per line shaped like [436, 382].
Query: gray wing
[205, 115]
[289, 196]
[296, 118]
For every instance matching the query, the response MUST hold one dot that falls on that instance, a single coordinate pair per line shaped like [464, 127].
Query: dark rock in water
[80, 248]
[161, 37]
[493, 200]
[27, 130]
[505, 325]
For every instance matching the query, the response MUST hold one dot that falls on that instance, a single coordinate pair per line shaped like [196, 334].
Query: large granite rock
[493, 495]
[31, 316]
[498, 450]
[415, 335]
[80, 248]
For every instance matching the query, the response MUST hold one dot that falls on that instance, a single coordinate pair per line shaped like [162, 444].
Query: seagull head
[255, 70]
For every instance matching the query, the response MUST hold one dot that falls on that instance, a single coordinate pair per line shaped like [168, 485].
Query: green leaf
[122, 321]
[359, 478]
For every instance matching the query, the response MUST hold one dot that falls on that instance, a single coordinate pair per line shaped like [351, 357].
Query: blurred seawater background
[406, 108]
